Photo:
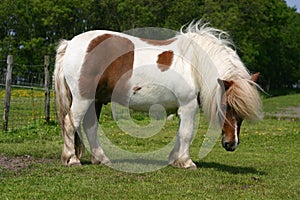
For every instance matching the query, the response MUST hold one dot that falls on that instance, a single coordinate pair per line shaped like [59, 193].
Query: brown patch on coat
[164, 60]
[108, 58]
[159, 42]
[97, 41]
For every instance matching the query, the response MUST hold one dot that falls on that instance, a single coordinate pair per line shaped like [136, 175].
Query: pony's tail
[64, 96]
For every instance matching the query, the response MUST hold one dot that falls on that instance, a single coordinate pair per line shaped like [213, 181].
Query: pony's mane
[205, 30]
[244, 98]
[220, 60]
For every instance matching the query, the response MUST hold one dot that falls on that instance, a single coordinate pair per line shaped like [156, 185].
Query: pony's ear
[226, 84]
[254, 77]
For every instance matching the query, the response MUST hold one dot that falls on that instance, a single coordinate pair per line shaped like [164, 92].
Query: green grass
[27, 107]
[277, 104]
[265, 165]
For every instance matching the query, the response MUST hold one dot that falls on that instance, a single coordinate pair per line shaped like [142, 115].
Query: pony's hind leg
[71, 126]
[90, 125]
[180, 155]
[68, 156]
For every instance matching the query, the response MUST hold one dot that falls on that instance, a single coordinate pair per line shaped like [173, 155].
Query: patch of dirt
[19, 162]
[290, 112]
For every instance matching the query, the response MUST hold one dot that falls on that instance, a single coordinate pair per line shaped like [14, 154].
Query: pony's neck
[196, 51]
[211, 58]
[214, 58]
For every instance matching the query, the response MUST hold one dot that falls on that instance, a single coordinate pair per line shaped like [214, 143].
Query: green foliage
[266, 33]
[263, 32]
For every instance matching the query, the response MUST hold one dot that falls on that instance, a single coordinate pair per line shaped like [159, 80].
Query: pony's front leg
[180, 155]
[90, 125]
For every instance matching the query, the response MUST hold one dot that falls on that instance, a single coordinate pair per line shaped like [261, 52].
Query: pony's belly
[149, 95]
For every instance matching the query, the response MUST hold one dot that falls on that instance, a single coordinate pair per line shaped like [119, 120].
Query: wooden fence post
[47, 89]
[10, 61]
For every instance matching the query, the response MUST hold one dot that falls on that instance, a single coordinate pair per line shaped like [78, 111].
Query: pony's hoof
[189, 164]
[74, 161]
[106, 162]
[103, 161]
[74, 164]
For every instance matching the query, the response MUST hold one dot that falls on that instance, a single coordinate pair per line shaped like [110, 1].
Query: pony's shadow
[140, 161]
[229, 169]
[206, 165]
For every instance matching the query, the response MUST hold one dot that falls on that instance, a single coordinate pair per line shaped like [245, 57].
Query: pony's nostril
[226, 144]
[229, 146]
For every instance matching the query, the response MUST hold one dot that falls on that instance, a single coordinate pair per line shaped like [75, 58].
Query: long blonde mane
[214, 57]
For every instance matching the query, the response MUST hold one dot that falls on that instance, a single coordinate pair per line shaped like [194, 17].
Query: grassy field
[265, 165]
[26, 107]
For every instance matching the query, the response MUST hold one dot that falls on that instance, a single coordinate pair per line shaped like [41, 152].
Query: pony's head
[240, 100]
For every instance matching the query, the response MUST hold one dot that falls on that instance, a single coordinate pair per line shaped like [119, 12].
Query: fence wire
[27, 105]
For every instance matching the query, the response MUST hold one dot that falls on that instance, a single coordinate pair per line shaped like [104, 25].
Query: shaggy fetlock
[98, 157]
[186, 164]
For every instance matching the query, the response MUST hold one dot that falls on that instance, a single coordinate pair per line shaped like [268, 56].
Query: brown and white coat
[97, 67]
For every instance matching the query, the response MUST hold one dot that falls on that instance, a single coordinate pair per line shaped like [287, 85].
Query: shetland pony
[195, 68]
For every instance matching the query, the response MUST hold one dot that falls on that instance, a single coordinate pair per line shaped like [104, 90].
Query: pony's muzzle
[228, 145]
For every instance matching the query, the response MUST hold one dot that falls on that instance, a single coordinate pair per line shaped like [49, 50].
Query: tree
[265, 36]
[266, 33]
